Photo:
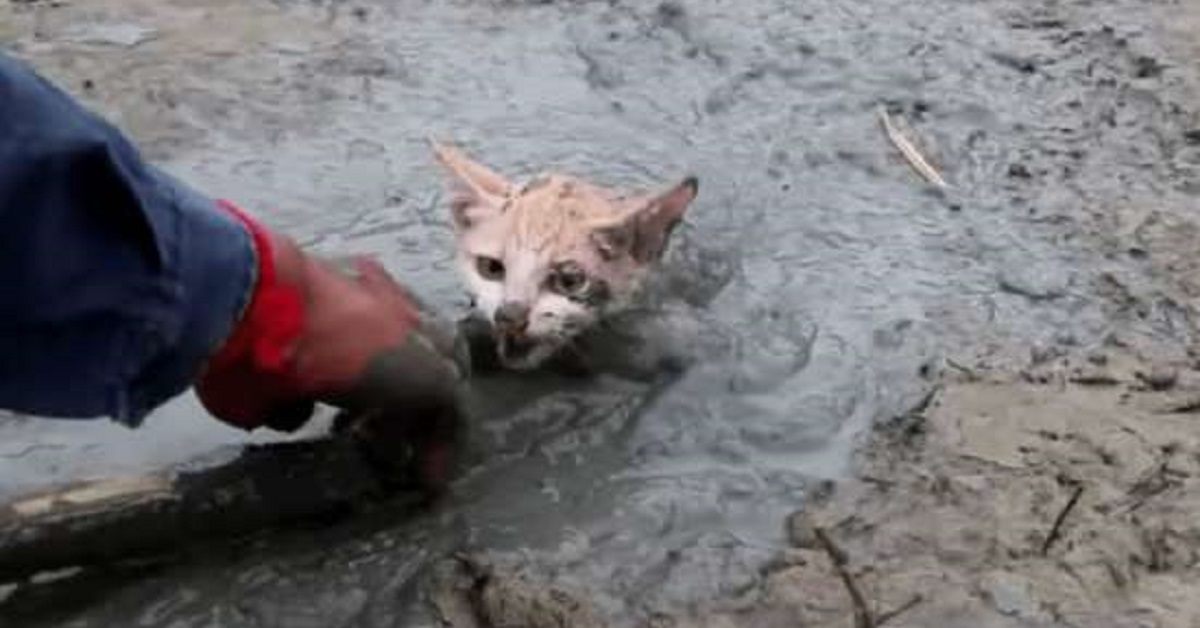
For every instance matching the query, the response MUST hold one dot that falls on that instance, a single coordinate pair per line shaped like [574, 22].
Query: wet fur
[553, 228]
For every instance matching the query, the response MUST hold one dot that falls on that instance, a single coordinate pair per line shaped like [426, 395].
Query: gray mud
[817, 288]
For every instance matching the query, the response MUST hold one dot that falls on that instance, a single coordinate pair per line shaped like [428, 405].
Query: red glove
[355, 340]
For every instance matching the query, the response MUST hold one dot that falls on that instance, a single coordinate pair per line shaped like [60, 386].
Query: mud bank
[1061, 495]
[1011, 504]
[818, 288]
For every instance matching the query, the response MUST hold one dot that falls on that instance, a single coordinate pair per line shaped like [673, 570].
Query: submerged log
[119, 519]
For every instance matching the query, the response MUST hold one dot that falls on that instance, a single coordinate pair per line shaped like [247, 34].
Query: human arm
[120, 286]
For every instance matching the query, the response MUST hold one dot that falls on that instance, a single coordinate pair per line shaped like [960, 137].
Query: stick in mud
[863, 617]
[862, 612]
[120, 519]
[899, 610]
[1190, 405]
[910, 152]
[1056, 529]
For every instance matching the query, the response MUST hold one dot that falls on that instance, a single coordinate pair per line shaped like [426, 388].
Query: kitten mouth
[521, 352]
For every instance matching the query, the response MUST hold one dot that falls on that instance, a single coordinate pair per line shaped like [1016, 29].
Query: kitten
[547, 260]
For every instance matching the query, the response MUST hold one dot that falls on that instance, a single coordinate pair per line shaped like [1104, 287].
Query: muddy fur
[546, 260]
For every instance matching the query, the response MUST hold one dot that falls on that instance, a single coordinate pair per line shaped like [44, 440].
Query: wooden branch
[863, 618]
[119, 519]
[1056, 529]
[910, 152]
[899, 610]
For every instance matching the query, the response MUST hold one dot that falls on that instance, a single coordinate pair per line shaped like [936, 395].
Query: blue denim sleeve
[116, 280]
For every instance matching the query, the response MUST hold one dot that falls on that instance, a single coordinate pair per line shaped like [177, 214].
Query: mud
[819, 288]
[1007, 504]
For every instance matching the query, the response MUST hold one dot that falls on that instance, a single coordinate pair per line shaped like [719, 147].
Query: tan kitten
[546, 260]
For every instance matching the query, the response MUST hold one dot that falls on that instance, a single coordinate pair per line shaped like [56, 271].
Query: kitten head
[545, 260]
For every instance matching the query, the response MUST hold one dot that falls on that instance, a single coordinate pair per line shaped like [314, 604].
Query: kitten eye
[490, 268]
[569, 280]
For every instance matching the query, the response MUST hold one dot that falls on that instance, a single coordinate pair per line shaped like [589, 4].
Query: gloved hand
[349, 337]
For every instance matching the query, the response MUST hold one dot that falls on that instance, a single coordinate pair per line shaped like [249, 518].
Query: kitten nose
[512, 317]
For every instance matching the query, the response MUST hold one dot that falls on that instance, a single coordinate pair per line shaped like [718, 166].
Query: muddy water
[817, 280]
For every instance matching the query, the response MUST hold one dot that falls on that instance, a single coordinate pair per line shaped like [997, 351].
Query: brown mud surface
[984, 397]
[1010, 504]
[1058, 496]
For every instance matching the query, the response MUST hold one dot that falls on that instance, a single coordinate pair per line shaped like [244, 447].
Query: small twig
[1094, 379]
[899, 610]
[1186, 406]
[910, 152]
[962, 368]
[1056, 529]
[925, 401]
[21, 453]
[1156, 481]
[862, 612]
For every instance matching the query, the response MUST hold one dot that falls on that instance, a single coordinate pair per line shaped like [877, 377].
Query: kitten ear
[476, 191]
[644, 233]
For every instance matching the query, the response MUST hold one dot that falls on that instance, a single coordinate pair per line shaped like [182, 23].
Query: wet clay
[817, 288]
[1005, 501]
